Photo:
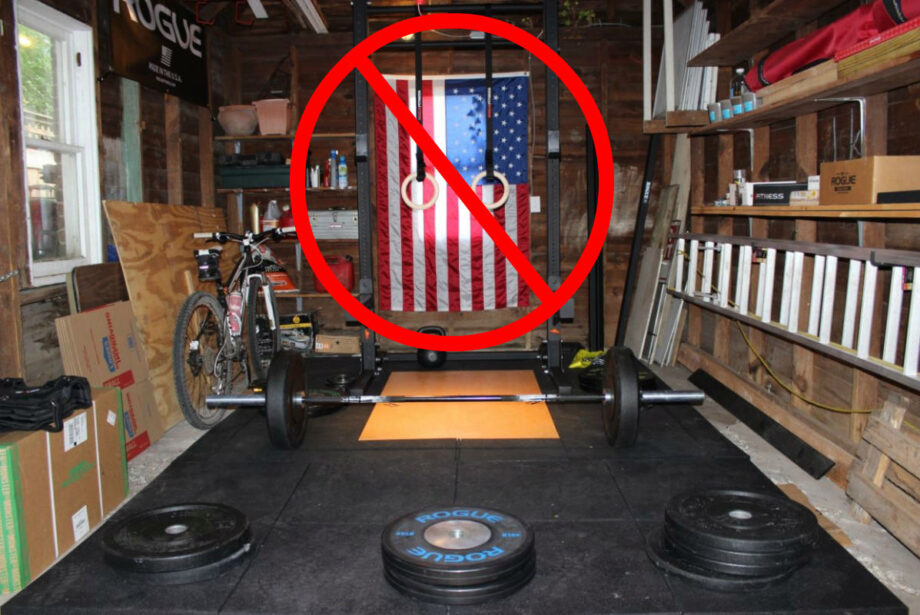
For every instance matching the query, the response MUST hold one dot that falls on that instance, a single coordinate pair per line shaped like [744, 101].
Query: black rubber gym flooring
[317, 515]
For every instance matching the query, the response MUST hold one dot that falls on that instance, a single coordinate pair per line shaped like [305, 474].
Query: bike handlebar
[225, 236]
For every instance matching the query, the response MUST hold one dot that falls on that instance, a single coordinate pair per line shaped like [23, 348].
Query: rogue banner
[157, 43]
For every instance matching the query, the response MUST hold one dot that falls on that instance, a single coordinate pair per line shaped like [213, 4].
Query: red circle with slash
[551, 301]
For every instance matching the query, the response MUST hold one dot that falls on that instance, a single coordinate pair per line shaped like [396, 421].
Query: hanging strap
[490, 159]
[419, 155]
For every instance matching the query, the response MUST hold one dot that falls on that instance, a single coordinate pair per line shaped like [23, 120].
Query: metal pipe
[645, 397]
[399, 45]
[651, 398]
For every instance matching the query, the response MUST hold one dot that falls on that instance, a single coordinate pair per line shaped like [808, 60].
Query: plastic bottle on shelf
[343, 173]
[737, 86]
[737, 89]
[272, 215]
[254, 222]
[333, 169]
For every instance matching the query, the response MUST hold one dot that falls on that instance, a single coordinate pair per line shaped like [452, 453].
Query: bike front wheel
[200, 367]
[261, 329]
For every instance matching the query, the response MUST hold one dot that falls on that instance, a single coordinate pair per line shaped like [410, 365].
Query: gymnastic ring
[410, 202]
[505, 191]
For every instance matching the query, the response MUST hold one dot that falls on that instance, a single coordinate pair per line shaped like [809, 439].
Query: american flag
[440, 259]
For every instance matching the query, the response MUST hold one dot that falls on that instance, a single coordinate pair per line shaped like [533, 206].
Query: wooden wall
[608, 60]
[189, 131]
[794, 149]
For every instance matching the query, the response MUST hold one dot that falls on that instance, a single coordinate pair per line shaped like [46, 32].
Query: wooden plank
[865, 393]
[899, 445]
[897, 47]
[155, 245]
[853, 212]
[806, 158]
[206, 157]
[790, 88]
[891, 507]
[131, 139]
[12, 239]
[764, 27]
[803, 426]
[814, 97]
[884, 433]
[173, 130]
[686, 118]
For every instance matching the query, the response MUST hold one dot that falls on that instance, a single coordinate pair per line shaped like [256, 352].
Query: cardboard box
[859, 181]
[327, 343]
[775, 193]
[103, 346]
[142, 422]
[56, 487]
[113, 462]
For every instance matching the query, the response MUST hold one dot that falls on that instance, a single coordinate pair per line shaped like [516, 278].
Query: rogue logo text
[160, 18]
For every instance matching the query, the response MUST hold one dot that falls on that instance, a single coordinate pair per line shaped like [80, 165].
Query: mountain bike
[224, 341]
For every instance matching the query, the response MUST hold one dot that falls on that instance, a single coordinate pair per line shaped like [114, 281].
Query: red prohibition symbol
[550, 301]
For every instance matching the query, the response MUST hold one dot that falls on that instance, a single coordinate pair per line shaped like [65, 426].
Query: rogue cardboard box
[870, 180]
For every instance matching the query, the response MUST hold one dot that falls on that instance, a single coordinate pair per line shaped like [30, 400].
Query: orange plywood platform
[454, 420]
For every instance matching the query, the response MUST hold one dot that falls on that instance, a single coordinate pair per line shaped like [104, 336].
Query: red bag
[862, 24]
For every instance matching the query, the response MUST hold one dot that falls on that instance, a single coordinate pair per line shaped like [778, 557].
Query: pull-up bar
[496, 9]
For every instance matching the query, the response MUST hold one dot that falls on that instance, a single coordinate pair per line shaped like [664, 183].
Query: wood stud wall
[793, 149]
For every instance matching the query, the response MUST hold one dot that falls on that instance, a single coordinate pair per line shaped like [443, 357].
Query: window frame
[78, 137]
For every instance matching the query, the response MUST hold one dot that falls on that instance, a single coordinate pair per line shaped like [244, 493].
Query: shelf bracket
[861, 101]
[750, 132]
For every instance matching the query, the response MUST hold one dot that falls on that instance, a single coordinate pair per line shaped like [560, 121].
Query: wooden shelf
[856, 212]
[811, 95]
[316, 135]
[762, 29]
[282, 189]
[676, 122]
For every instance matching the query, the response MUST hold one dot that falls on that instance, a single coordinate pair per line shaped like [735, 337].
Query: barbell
[286, 399]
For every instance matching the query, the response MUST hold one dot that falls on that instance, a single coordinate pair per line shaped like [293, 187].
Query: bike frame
[248, 269]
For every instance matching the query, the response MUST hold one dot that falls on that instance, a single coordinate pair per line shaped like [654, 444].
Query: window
[58, 100]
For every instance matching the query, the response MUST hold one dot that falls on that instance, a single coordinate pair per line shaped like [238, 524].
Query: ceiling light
[257, 9]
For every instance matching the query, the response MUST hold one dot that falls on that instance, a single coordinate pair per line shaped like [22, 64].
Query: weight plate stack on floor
[177, 544]
[733, 540]
[458, 555]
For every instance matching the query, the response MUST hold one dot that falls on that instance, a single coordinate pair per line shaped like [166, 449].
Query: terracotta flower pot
[238, 120]
[274, 116]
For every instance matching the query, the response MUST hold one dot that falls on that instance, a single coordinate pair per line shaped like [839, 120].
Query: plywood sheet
[156, 248]
[423, 421]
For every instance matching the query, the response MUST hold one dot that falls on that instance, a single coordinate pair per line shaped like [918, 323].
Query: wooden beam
[12, 204]
[759, 228]
[131, 140]
[206, 156]
[803, 426]
[865, 394]
[722, 333]
[173, 131]
[806, 158]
